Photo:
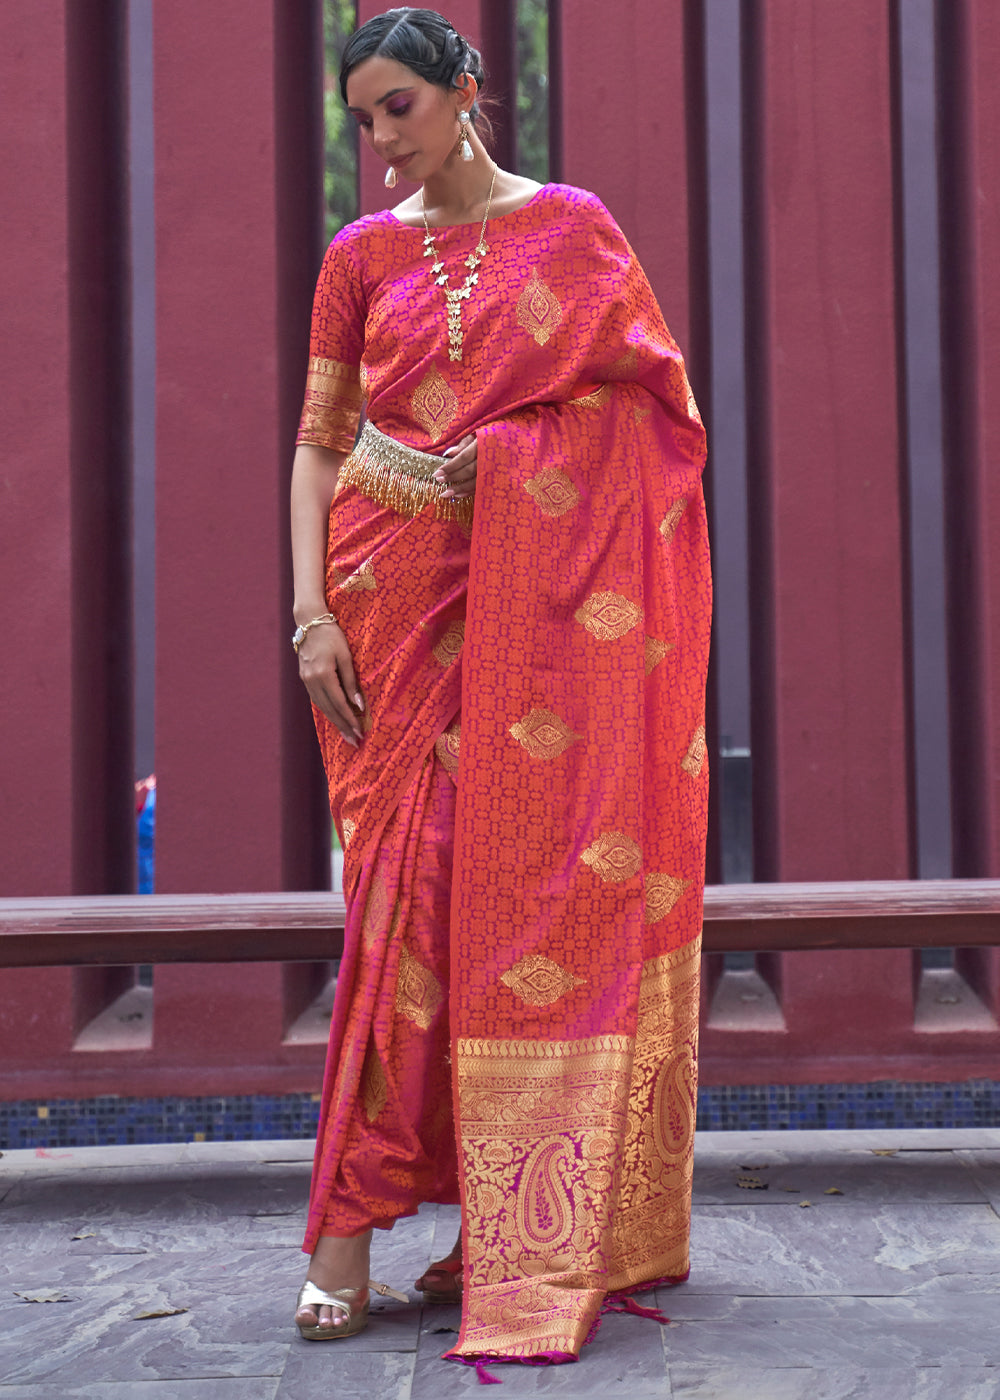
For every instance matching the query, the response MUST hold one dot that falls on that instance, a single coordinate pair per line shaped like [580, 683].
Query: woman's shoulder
[356, 237]
[580, 215]
[569, 199]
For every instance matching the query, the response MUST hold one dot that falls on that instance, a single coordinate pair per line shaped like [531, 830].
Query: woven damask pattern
[571, 631]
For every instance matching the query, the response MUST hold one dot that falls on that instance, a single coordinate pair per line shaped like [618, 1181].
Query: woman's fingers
[327, 671]
[457, 472]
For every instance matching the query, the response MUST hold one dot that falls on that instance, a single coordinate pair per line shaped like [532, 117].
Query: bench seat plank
[296, 927]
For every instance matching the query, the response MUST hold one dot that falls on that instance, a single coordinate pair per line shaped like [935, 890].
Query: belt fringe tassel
[400, 477]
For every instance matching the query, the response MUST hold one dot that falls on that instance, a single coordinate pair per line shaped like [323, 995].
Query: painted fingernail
[358, 700]
[350, 739]
[439, 477]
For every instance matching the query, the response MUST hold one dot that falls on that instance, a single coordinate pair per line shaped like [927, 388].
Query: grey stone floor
[869, 1266]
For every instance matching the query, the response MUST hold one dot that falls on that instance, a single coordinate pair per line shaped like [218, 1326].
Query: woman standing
[502, 595]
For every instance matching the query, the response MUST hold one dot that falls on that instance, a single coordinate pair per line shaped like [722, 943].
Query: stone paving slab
[890, 1289]
[835, 1383]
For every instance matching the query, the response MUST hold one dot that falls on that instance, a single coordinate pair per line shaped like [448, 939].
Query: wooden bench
[128, 929]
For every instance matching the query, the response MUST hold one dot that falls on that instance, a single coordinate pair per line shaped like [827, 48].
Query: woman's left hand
[457, 473]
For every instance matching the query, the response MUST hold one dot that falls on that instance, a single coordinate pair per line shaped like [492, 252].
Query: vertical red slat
[298, 57]
[64, 695]
[825, 438]
[621, 132]
[830, 729]
[969, 102]
[221, 468]
[36, 677]
[499, 49]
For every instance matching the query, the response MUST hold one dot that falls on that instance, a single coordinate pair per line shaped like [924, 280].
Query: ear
[467, 88]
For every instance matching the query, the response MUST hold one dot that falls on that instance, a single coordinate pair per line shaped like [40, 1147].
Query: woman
[502, 596]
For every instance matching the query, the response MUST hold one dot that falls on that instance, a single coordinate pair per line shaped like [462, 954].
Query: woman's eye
[362, 121]
[398, 111]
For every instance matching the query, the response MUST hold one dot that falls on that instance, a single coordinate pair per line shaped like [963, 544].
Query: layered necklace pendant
[455, 296]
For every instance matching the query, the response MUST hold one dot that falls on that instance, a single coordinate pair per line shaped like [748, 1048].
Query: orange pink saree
[524, 823]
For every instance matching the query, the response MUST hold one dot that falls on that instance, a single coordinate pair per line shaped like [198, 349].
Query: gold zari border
[399, 477]
[653, 1217]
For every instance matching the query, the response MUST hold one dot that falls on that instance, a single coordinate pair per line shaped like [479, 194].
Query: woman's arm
[325, 664]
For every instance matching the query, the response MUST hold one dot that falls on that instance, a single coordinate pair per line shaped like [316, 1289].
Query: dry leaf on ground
[158, 1312]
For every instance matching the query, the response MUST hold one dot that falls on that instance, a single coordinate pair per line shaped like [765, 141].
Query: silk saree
[524, 822]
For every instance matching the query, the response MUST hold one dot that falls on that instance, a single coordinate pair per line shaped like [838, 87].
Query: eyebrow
[385, 98]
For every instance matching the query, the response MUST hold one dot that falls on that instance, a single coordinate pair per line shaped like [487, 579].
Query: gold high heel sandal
[352, 1302]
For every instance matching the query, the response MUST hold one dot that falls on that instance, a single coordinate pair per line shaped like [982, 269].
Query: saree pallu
[570, 632]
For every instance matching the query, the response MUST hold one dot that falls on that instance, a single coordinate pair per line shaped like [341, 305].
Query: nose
[383, 138]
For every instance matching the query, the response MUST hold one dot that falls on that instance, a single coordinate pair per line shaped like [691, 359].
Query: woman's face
[409, 123]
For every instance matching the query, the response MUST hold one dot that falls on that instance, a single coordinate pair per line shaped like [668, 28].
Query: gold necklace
[455, 296]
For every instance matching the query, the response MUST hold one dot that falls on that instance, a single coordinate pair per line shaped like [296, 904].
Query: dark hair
[422, 40]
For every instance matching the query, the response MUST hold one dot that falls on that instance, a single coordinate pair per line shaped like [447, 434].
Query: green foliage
[533, 89]
[340, 175]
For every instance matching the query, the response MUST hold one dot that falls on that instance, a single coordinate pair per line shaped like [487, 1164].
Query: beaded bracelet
[299, 635]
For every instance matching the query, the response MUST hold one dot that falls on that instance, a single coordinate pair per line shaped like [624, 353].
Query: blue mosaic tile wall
[113, 1120]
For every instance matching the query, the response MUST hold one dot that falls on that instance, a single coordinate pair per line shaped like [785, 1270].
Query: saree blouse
[561, 307]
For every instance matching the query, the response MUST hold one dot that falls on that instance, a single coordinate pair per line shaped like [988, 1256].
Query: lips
[401, 162]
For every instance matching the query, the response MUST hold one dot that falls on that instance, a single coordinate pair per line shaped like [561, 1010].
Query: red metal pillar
[969, 110]
[624, 124]
[225, 104]
[830, 727]
[830, 754]
[64, 697]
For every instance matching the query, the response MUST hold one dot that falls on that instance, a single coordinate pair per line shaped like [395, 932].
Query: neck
[456, 193]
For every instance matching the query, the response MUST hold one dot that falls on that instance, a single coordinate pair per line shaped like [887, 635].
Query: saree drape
[524, 822]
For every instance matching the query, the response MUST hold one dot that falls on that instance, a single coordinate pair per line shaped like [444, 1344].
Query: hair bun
[421, 40]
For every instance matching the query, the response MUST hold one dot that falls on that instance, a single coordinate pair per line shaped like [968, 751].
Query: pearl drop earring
[465, 149]
[391, 177]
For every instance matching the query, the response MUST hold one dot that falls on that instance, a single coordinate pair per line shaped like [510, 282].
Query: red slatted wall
[238, 218]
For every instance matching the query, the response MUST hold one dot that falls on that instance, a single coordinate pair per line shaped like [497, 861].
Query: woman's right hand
[327, 672]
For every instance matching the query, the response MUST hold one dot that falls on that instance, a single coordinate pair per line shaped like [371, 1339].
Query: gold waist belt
[400, 477]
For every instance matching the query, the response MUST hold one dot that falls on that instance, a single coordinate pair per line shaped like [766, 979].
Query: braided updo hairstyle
[423, 41]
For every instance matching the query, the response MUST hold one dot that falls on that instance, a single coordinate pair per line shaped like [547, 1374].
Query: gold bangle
[299, 635]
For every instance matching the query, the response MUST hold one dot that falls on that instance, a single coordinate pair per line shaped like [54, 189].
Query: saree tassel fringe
[629, 1305]
[400, 478]
[546, 1358]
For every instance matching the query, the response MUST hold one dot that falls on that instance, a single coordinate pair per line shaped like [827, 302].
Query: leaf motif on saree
[608, 616]
[362, 578]
[349, 828]
[552, 491]
[655, 652]
[418, 991]
[695, 756]
[374, 1089]
[539, 981]
[376, 914]
[543, 734]
[544, 1211]
[671, 520]
[446, 747]
[662, 893]
[613, 856]
[434, 404]
[450, 645]
[539, 310]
